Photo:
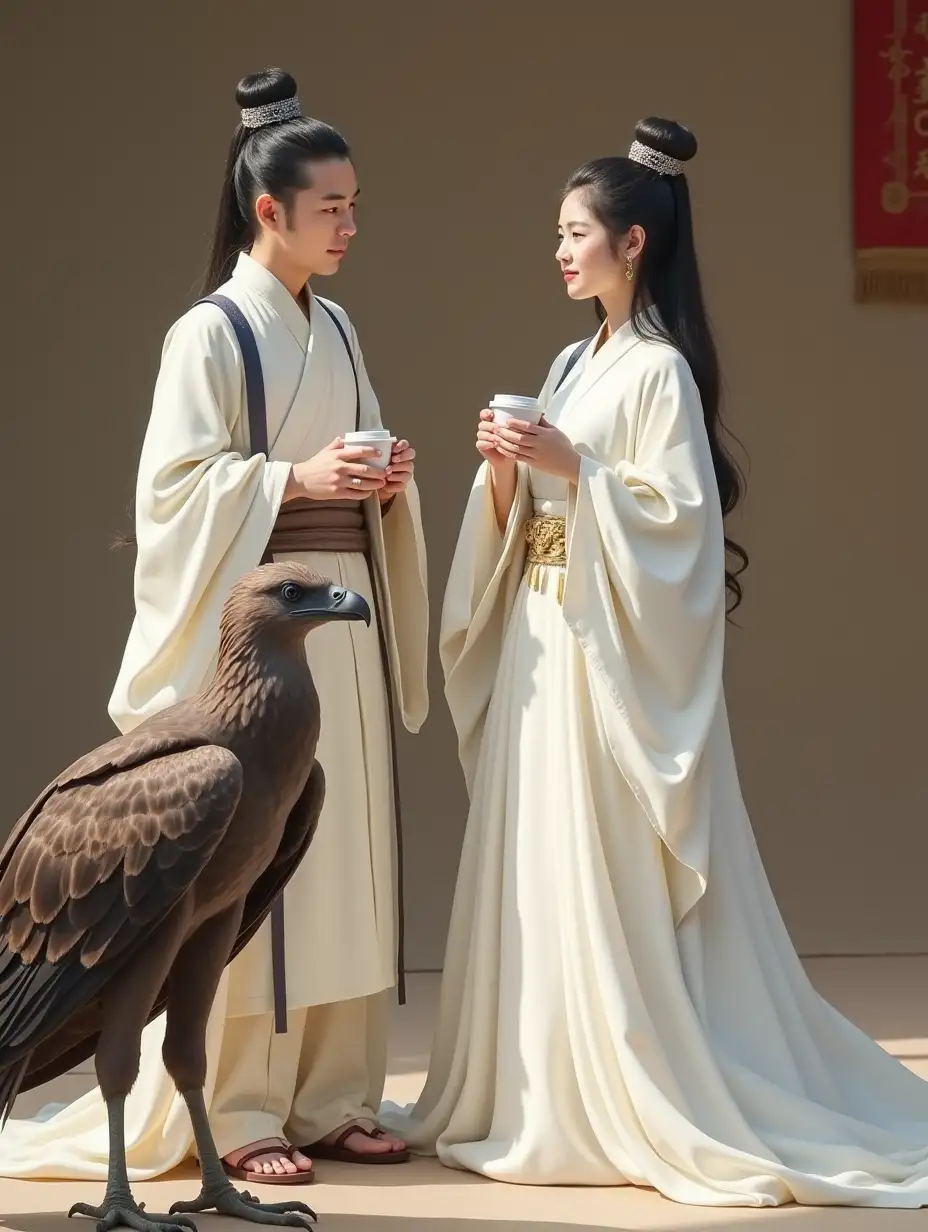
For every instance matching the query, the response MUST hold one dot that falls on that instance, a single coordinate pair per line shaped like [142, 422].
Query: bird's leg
[120, 1209]
[219, 1194]
[126, 1006]
[192, 985]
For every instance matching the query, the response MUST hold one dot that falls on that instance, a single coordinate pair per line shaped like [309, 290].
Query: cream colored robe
[205, 509]
[621, 1003]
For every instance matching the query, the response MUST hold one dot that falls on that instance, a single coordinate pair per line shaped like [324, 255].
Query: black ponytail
[275, 158]
[232, 233]
[668, 303]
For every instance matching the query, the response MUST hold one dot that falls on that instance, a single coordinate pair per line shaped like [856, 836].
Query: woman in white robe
[621, 1003]
[206, 508]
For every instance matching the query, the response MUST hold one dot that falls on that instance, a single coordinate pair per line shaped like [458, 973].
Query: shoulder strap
[257, 433]
[254, 376]
[571, 361]
[354, 367]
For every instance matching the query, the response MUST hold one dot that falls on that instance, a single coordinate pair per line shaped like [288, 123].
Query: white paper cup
[515, 406]
[373, 438]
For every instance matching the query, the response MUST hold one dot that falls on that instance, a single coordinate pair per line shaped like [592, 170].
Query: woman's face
[321, 218]
[586, 253]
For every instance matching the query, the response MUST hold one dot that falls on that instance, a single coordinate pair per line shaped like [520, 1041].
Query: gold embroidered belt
[546, 537]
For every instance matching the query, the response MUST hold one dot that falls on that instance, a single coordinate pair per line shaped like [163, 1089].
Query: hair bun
[272, 85]
[667, 137]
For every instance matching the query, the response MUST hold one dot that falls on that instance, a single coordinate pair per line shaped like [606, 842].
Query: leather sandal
[233, 1164]
[339, 1153]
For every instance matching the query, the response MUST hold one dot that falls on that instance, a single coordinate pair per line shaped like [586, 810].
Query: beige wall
[465, 120]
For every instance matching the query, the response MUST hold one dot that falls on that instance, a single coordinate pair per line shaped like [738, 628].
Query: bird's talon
[130, 1215]
[297, 1209]
[246, 1206]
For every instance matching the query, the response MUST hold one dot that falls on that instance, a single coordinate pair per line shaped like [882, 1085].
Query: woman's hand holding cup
[488, 444]
[500, 425]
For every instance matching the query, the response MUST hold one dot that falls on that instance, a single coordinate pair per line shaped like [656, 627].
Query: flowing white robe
[621, 1003]
[205, 510]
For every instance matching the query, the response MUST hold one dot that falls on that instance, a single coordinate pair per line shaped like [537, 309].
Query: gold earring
[629, 269]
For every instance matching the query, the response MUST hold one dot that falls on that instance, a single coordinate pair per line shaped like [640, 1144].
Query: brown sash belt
[320, 526]
[337, 526]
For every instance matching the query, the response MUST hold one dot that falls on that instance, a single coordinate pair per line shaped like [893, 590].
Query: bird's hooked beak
[333, 603]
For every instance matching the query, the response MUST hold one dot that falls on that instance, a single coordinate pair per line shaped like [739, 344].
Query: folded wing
[99, 860]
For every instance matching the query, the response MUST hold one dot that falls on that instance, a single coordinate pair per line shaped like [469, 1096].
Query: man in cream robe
[206, 509]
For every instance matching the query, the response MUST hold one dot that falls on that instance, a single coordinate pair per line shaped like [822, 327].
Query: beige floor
[887, 997]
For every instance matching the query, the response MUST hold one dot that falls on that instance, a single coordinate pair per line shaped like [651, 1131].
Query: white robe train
[621, 1003]
[205, 510]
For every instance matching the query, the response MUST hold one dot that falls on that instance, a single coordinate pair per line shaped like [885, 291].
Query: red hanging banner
[891, 149]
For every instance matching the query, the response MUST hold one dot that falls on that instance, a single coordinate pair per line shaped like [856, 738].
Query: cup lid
[514, 400]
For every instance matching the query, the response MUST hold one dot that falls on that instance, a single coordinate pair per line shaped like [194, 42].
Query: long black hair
[275, 158]
[667, 302]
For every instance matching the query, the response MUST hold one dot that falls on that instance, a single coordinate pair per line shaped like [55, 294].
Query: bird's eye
[290, 592]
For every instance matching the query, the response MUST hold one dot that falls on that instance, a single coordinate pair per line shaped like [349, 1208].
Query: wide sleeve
[485, 575]
[486, 570]
[645, 598]
[400, 568]
[204, 514]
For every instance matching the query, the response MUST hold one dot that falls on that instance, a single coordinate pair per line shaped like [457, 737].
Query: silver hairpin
[663, 164]
[271, 113]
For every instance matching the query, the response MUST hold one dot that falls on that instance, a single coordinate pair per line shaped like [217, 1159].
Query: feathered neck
[255, 672]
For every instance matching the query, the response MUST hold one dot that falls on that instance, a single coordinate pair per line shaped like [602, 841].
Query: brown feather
[87, 910]
[136, 859]
[83, 876]
[34, 946]
[48, 891]
[18, 887]
[20, 928]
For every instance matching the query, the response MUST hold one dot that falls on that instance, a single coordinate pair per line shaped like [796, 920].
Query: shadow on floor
[803, 1219]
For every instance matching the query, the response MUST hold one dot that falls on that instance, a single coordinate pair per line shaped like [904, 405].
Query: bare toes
[365, 1145]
